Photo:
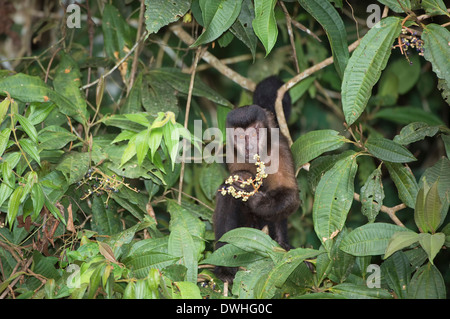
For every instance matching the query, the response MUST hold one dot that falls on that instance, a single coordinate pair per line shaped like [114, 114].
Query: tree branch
[288, 85]
[213, 61]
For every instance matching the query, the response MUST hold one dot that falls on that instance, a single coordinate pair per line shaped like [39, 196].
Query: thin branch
[143, 37]
[288, 85]
[215, 62]
[391, 211]
[136, 54]
[198, 53]
[291, 35]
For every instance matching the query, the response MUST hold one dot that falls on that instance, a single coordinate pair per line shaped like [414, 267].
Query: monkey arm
[274, 205]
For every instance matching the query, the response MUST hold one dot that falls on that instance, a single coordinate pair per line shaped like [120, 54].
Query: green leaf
[396, 271]
[4, 106]
[73, 166]
[30, 148]
[437, 51]
[312, 144]
[370, 239]
[406, 115]
[330, 20]
[353, 291]
[141, 263]
[182, 245]
[372, 195]
[439, 171]
[427, 283]
[180, 82]
[250, 280]
[414, 132]
[218, 16]
[54, 138]
[25, 88]
[188, 290]
[434, 7]
[67, 82]
[105, 220]
[333, 199]
[265, 24]
[446, 231]
[37, 197]
[129, 151]
[250, 240]
[231, 256]
[4, 138]
[388, 150]
[400, 240]
[396, 5]
[141, 142]
[405, 182]
[365, 65]
[283, 269]
[117, 33]
[427, 214]
[13, 206]
[211, 178]
[432, 244]
[242, 27]
[159, 13]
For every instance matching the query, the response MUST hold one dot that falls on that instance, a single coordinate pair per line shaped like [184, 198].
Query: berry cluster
[100, 183]
[410, 39]
[256, 182]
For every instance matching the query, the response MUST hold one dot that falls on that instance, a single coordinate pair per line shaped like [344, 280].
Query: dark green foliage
[92, 118]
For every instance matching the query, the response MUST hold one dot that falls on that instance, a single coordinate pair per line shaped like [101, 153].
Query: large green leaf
[435, 7]
[74, 165]
[388, 150]
[329, 18]
[279, 274]
[353, 291]
[242, 27]
[397, 5]
[13, 206]
[400, 240]
[432, 244]
[396, 270]
[67, 82]
[312, 144]
[408, 114]
[105, 219]
[117, 33]
[414, 132]
[181, 244]
[265, 24]
[218, 16]
[437, 51]
[372, 195]
[405, 182]
[427, 213]
[159, 13]
[333, 198]
[427, 283]
[370, 239]
[365, 65]
[250, 240]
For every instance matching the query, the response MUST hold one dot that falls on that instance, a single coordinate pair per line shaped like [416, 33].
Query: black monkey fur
[278, 196]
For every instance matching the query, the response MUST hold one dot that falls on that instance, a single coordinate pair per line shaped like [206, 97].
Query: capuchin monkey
[253, 129]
